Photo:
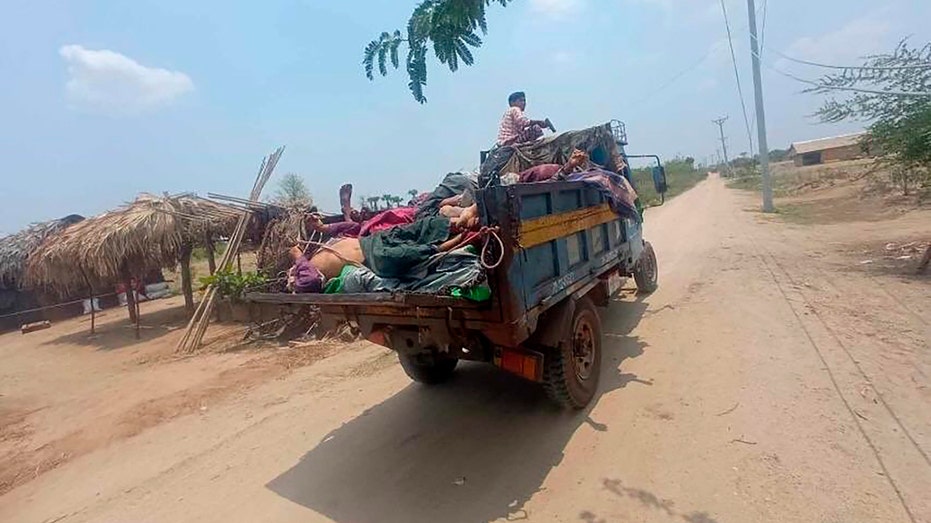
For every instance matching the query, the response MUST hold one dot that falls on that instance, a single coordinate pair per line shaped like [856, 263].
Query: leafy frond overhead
[451, 27]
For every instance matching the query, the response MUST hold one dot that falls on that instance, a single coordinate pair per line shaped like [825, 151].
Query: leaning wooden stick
[201, 318]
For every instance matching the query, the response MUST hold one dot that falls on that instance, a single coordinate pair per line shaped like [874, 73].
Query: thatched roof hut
[151, 232]
[15, 249]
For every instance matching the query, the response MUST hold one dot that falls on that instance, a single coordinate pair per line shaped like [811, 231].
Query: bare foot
[345, 201]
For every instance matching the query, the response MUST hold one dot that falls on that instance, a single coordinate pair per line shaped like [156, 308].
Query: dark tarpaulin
[394, 252]
[598, 142]
[452, 185]
[437, 275]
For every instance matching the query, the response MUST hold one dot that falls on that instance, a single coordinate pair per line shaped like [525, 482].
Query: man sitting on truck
[515, 126]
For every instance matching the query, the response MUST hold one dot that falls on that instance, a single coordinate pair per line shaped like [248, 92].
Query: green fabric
[477, 293]
[335, 286]
[394, 252]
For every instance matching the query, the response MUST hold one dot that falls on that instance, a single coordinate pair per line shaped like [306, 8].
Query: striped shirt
[513, 124]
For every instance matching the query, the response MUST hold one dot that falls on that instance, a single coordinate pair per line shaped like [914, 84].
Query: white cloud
[844, 46]
[562, 57]
[555, 7]
[109, 82]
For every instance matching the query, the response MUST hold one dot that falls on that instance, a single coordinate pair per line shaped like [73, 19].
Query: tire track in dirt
[832, 373]
[866, 377]
[851, 296]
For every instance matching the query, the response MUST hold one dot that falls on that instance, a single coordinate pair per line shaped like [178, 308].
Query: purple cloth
[539, 173]
[306, 277]
[620, 194]
[388, 219]
[340, 229]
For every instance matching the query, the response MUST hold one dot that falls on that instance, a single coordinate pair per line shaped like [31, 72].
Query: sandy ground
[774, 376]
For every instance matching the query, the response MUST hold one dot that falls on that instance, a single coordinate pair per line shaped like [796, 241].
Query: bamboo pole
[197, 326]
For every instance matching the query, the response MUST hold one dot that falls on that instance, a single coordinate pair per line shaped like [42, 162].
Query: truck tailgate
[381, 299]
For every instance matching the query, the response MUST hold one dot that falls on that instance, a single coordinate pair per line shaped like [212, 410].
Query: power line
[849, 67]
[675, 77]
[740, 92]
[763, 27]
[681, 73]
[842, 88]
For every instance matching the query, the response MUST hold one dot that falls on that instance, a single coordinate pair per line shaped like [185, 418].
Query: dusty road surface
[773, 377]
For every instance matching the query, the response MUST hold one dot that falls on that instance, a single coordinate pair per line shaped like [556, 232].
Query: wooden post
[186, 285]
[211, 249]
[130, 293]
[90, 289]
[238, 264]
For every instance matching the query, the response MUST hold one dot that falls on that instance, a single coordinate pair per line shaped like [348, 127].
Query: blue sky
[103, 100]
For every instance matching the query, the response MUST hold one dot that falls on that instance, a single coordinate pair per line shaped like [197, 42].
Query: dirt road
[772, 377]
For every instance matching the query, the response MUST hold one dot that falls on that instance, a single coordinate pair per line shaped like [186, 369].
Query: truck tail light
[524, 363]
[378, 337]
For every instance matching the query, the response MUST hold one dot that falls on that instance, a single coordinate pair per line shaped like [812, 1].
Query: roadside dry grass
[678, 181]
[789, 180]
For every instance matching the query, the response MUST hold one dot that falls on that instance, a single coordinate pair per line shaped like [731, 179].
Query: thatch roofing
[15, 249]
[147, 233]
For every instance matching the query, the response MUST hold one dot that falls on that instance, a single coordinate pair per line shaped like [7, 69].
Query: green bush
[681, 175]
[230, 284]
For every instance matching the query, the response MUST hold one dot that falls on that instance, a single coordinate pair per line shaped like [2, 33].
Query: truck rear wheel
[428, 368]
[646, 274]
[571, 371]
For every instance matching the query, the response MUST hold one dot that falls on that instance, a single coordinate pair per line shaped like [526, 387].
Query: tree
[893, 93]
[292, 192]
[373, 202]
[449, 25]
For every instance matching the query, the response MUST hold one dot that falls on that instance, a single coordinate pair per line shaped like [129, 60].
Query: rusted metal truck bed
[559, 238]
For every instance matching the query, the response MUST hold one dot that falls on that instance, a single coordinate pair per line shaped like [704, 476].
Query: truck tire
[428, 368]
[571, 371]
[646, 273]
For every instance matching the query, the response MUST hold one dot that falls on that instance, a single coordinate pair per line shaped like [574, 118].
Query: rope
[489, 233]
[334, 252]
[37, 309]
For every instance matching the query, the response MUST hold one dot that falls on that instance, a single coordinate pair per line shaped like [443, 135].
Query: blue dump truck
[564, 252]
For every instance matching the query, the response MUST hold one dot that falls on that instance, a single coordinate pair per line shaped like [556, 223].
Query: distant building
[827, 150]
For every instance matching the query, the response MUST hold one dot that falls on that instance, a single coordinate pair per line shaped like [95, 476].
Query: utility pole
[720, 124]
[760, 113]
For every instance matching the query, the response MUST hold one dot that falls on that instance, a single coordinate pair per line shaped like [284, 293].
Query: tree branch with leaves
[892, 92]
[292, 192]
[449, 26]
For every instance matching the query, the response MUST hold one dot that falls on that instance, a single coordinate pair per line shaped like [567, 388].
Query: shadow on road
[647, 500]
[116, 331]
[474, 449]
